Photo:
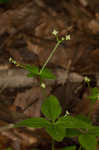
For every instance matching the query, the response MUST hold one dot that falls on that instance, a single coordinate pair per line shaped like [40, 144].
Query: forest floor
[26, 35]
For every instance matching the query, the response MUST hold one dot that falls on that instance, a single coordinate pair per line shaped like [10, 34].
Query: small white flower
[67, 37]
[43, 85]
[67, 113]
[55, 32]
[87, 79]
[10, 59]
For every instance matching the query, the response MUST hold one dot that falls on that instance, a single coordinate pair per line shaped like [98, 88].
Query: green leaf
[94, 131]
[73, 122]
[30, 75]
[47, 74]
[72, 132]
[88, 141]
[33, 123]
[51, 108]
[94, 95]
[56, 132]
[69, 148]
[33, 70]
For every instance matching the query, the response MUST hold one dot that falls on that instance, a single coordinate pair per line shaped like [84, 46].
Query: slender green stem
[44, 92]
[53, 144]
[57, 38]
[50, 56]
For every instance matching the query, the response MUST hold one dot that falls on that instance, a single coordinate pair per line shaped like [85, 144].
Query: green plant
[65, 126]
[43, 73]
[59, 127]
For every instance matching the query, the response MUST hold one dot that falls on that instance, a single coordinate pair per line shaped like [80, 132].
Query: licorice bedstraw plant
[59, 127]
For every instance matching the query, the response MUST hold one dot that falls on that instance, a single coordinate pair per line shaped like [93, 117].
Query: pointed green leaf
[56, 132]
[32, 69]
[51, 108]
[73, 122]
[88, 141]
[47, 74]
[33, 123]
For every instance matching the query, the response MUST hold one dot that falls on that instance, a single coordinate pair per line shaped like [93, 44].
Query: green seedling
[94, 91]
[94, 95]
[43, 73]
[57, 126]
